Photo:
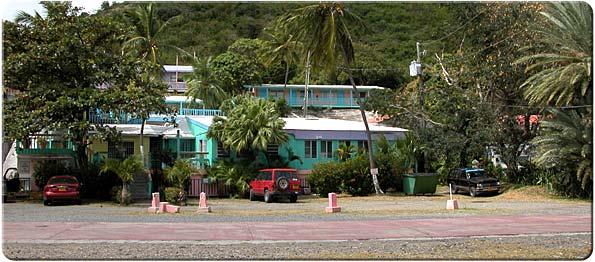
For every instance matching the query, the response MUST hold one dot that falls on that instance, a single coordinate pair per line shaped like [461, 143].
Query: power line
[456, 30]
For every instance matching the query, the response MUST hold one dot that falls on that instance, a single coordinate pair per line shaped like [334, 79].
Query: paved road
[296, 231]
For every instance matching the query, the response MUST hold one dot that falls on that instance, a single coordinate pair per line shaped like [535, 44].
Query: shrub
[172, 195]
[357, 179]
[46, 169]
[326, 178]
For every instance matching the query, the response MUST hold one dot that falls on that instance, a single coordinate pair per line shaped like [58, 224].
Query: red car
[62, 188]
[274, 183]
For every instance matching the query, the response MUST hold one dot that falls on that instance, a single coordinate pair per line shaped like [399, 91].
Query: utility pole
[306, 86]
[421, 106]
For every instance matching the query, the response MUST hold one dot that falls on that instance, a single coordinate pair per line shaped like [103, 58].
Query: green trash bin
[420, 183]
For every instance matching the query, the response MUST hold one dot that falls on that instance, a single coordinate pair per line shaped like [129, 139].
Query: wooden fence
[199, 184]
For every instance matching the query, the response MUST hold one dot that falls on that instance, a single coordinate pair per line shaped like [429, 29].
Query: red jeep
[275, 182]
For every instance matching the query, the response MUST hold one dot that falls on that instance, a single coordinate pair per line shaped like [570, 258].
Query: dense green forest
[385, 41]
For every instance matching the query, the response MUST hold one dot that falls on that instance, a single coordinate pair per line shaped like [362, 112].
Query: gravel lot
[541, 246]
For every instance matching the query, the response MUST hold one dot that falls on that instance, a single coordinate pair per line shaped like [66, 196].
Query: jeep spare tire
[283, 183]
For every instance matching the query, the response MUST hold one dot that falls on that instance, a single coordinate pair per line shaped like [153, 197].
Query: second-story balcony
[107, 118]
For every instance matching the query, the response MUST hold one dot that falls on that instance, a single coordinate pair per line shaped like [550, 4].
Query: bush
[46, 169]
[116, 194]
[326, 178]
[357, 179]
[172, 195]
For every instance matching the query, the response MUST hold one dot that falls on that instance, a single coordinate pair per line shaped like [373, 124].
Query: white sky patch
[10, 8]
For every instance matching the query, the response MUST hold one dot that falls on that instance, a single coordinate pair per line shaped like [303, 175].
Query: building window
[310, 149]
[121, 150]
[276, 94]
[326, 149]
[203, 146]
[362, 144]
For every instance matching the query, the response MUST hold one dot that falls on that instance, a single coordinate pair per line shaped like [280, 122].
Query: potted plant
[42, 142]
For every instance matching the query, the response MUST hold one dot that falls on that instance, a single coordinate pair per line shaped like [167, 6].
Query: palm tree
[148, 29]
[562, 66]
[179, 175]
[146, 44]
[567, 139]
[250, 124]
[344, 151]
[324, 30]
[204, 86]
[282, 47]
[126, 170]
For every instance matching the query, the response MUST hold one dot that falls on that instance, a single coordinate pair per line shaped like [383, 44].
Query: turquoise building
[324, 96]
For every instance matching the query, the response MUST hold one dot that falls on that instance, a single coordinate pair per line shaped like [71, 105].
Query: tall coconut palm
[126, 170]
[146, 44]
[567, 139]
[324, 30]
[282, 47]
[204, 86]
[562, 66]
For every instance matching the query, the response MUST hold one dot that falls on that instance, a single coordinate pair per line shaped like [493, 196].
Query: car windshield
[62, 180]
[475, 174]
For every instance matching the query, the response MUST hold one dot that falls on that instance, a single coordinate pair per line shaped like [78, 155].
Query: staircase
[139, 188]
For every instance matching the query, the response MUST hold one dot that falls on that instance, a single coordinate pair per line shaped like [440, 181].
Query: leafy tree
[57, 63]
[251, 124]
[324, 29]
[126, 170]
[232, 71]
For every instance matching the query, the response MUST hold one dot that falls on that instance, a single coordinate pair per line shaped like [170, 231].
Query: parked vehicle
[62, 188]
[474, 181]
[275, 183]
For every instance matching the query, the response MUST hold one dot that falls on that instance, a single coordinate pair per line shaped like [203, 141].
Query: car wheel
[252, 198]
[267, 197]
[473, 191]
[79, 202]
[283, 183]
[46, 202]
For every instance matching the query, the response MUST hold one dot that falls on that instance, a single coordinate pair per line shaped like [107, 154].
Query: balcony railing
[106, 118]
[325, 102]
[201, 112]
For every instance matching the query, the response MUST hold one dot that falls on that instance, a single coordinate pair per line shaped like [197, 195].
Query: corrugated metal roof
[324, 124]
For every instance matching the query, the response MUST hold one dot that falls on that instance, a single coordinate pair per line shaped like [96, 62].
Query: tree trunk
[124, 194]
[368, 135]
[286, 74]
[142, 140]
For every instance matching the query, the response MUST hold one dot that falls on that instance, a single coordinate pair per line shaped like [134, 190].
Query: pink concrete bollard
[162, 207]
[332, 204]
[154, 203]
[452, 204]
[172, 209]
[203, 207]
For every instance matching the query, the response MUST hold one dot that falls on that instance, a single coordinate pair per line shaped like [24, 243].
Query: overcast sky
[10, 8]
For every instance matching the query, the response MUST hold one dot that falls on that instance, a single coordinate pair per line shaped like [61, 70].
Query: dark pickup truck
[474, 181]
